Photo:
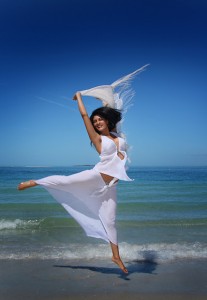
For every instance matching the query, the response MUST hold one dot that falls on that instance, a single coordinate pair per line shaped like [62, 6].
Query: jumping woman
[90, 196]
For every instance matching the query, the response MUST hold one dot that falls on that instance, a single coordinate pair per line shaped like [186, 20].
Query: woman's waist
[119, 172]
[108, 178]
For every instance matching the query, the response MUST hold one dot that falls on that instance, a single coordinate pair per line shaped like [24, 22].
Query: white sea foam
[17, 224]
[157, 253]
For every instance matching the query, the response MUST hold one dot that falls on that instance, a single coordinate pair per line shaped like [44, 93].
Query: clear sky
[51, 48]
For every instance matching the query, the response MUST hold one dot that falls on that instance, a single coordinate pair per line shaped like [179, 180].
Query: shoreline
[90, 279]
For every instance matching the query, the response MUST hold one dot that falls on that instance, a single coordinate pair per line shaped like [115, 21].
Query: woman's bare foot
[26, 184]
[119, 262]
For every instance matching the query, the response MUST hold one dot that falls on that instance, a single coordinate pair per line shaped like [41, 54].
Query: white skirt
[88, 199]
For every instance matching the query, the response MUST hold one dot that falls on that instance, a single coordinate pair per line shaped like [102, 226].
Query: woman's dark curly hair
[112, 115]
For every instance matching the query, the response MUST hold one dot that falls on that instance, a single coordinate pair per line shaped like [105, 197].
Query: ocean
[161, 216]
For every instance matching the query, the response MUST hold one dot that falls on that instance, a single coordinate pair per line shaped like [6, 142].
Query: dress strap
[112, 182]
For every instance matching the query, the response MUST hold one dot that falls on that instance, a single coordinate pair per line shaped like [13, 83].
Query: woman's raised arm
[93, 135]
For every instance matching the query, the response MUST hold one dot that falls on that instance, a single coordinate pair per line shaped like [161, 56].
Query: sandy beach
[61, 279]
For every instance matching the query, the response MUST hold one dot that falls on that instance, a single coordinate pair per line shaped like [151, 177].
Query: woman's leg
[116, 257]
[26, 185]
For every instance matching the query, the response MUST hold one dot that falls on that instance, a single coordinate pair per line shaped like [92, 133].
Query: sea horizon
[91, 165]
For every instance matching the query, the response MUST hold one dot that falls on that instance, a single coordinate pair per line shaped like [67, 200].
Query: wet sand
[64, 279]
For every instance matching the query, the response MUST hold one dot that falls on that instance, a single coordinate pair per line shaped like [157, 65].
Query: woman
[90, 196]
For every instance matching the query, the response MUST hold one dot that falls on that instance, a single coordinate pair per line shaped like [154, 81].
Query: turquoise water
[163, 211]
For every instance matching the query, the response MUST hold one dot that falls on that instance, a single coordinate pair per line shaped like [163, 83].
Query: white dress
[86, 196]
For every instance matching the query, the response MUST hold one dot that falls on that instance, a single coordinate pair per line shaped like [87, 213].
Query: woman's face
[100, 123]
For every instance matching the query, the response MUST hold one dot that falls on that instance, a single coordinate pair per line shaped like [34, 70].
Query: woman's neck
[105, 132]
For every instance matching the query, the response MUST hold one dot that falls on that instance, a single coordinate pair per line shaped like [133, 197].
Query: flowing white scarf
[116, 95]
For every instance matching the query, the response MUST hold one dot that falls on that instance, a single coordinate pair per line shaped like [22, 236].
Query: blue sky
[50, 49]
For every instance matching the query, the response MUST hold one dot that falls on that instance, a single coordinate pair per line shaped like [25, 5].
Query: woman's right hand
[77, 94]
